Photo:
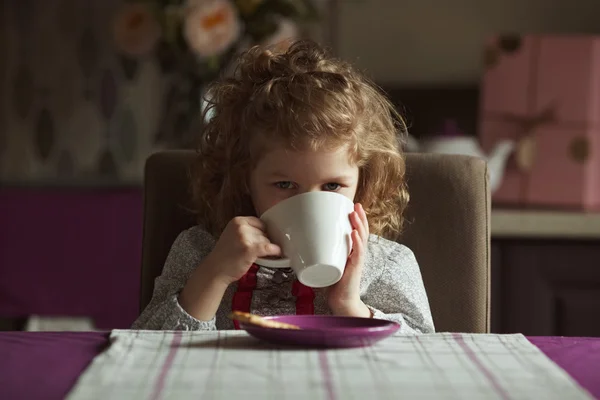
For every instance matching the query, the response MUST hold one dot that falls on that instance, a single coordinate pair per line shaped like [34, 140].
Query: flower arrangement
[196, 40]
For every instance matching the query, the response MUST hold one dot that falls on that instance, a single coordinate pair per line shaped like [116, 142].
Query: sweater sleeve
[399, 294]
[164, 311]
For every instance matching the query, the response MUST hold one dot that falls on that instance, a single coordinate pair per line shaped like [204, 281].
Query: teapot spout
[497, 162]
[411, 144]
[501, 152]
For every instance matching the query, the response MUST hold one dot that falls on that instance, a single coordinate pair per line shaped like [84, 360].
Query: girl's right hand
[243, 241]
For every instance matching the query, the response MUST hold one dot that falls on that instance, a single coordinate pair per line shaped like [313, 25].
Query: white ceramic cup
[314, 232]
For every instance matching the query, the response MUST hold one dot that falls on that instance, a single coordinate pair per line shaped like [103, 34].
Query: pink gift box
[543, 91]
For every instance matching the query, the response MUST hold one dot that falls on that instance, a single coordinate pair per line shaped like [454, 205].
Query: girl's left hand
[344, 296]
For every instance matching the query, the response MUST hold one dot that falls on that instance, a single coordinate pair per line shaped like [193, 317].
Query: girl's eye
[331, 186]
[284, 185]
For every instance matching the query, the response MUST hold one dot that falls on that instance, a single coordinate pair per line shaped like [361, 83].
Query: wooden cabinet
[545, 284]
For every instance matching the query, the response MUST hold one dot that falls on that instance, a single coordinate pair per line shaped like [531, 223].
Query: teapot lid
[450, 128]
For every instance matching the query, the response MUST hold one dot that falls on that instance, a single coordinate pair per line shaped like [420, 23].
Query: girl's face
[283, 173]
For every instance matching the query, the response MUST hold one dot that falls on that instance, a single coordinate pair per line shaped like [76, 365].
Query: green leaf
[260, 29]
[213, 63]
[294, 9]
[172, 25]
[312, 12]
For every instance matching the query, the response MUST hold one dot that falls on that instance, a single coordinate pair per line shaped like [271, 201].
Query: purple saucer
[324, 331]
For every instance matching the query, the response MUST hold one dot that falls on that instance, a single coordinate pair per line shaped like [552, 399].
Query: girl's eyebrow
[277, 174]
[340, 178]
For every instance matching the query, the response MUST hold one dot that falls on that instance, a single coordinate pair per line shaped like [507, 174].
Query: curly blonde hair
[305, 99]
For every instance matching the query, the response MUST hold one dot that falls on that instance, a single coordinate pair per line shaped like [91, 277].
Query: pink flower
[211, 26]
[136, 30]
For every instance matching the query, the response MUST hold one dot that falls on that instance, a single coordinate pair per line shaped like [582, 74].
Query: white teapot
[452, 141]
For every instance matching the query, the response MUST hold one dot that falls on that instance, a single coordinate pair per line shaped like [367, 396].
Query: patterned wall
[72, 110]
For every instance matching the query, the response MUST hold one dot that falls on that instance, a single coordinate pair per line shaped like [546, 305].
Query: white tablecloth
[232, 365]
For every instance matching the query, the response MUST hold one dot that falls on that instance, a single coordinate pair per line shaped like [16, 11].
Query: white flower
[211, 26]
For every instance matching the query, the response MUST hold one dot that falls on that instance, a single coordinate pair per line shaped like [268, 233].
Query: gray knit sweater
[391, 286]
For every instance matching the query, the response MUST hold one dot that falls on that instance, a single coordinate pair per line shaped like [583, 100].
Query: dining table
[49, 365]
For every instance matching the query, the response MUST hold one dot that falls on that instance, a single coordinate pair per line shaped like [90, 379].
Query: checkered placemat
[230, 365]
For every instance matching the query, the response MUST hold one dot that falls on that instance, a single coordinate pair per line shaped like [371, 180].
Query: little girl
[288, 123]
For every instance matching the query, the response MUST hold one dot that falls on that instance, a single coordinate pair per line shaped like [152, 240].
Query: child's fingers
[357, 249]
[358, 225]
[266, 247]
[363, 217]
[251, 221]
[257, 242]
[268, 250]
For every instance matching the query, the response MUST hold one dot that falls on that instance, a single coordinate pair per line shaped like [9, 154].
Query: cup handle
[273, 263]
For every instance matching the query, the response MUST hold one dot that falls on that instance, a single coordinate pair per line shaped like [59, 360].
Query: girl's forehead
[283, 152]
[273, 147]
[285, 161]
